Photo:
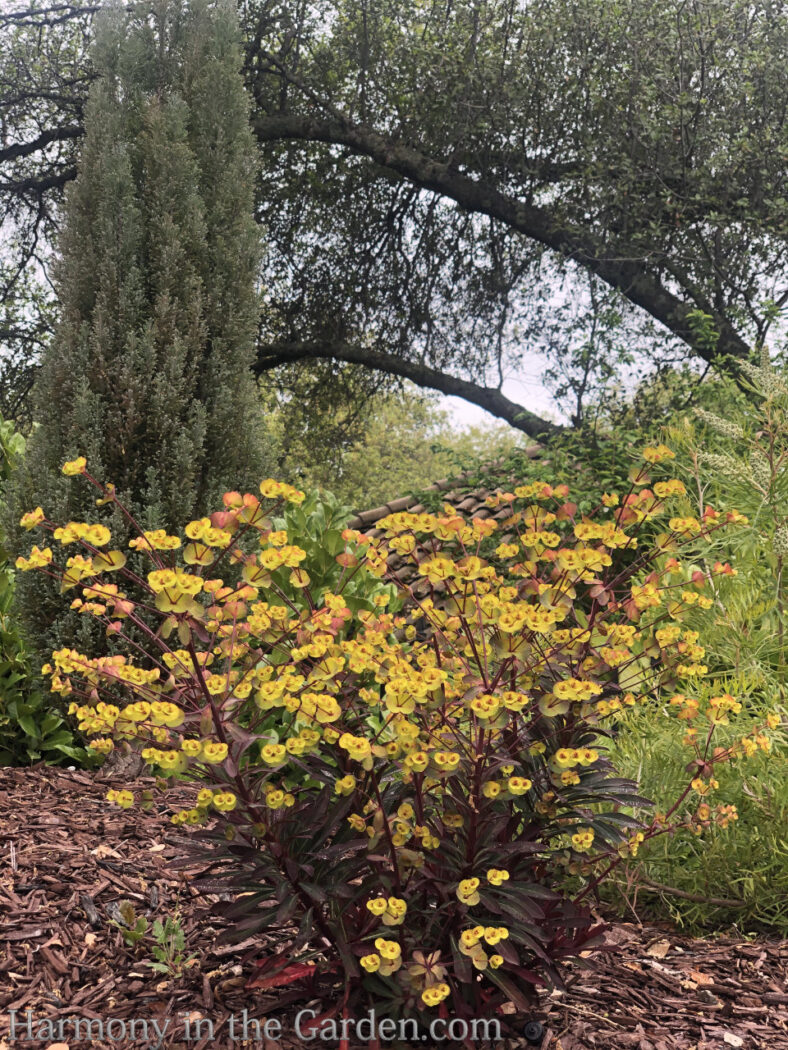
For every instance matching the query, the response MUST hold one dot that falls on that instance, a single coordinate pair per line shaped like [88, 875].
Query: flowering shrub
[400, 808]
[734, 456]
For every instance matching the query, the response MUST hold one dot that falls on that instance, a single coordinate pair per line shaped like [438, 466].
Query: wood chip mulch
[67, 860]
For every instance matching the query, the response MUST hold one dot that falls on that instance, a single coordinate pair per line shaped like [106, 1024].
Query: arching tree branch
[47, 16]
[623, 272]
[493, 401]
[46, 138]
[40, 185]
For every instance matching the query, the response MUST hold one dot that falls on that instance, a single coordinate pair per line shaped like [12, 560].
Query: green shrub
[149, 369]
[317, 525]
[332, 432]
[733, 876]
[742, 458]
[31, 726]
[736, 456]
[590, 461]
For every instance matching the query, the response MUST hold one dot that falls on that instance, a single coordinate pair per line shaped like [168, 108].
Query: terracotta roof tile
[469, 504]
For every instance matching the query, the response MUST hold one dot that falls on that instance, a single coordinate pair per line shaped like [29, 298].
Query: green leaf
[28, 725]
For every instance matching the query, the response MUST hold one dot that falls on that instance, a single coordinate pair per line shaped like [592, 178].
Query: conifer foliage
[149, 374]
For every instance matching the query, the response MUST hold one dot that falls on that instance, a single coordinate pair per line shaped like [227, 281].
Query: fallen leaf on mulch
[658, 950]
[701, 979]
[102, 851]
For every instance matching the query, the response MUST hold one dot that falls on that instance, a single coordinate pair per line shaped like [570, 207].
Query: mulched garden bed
[67, 859]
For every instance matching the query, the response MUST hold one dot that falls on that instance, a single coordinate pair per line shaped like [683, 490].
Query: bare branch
[46, 138]
[22, 187]
[490, 399]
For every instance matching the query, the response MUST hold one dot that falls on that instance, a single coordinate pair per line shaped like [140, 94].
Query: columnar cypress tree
[149, 375]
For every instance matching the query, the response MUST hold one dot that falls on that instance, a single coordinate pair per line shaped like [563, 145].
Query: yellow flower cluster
[32, 518]
[583, 839]
[391, 911]
[658, 454]
[279, 490]
[468, 891]
[75, 466]
[436, 994]
[471, 945]
[124, 799]
[37, 559]
[497, 876]
[386, 960]
[156, 539]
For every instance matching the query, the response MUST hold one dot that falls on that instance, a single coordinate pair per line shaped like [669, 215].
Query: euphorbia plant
[400, 807]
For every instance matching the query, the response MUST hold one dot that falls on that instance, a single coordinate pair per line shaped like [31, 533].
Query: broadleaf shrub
[32, 727]
[400, 809]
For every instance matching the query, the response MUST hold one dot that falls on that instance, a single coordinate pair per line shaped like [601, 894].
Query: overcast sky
[526, 389]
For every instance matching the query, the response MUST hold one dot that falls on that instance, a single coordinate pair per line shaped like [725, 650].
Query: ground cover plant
[403, 808]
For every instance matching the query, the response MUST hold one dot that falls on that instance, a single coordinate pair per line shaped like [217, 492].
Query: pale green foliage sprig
[720, 461]
[760, 470]
[725, 427]
[780, 542]
[765, 379]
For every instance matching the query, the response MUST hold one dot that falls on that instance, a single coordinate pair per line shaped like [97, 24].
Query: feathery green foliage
[733, 876]
[736, 456]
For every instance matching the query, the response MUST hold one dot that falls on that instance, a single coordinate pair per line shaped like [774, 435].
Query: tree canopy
[398, 442]
[445, 186]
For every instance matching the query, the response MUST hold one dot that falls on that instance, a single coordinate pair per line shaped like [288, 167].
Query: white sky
[526, 389]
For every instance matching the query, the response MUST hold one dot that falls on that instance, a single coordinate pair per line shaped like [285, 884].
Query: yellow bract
[36, 560]
[32, 518]
[583, 840]
[75, 466]
[436, 994]
[467, 891]
[497, 876]
[214, 751]
[657, 454]
[158, 539]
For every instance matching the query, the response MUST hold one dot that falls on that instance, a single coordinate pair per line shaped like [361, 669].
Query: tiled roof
[471, 504]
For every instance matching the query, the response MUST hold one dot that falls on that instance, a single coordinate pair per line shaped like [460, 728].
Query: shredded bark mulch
[68, 860]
